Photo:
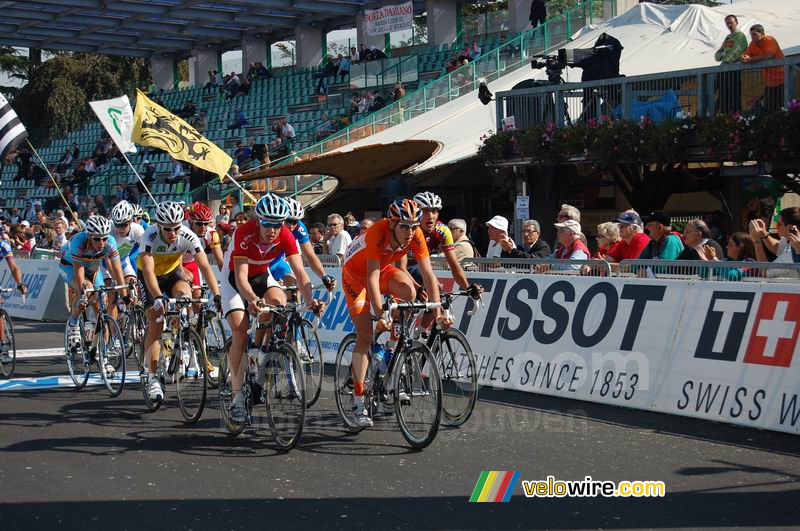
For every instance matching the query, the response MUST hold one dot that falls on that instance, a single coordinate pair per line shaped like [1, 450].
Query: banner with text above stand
[387, 19]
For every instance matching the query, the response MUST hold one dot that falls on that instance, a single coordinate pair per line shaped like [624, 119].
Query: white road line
[40, 353]
[52, 382]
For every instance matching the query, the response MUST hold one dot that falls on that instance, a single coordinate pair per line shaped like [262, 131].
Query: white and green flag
[116, 116]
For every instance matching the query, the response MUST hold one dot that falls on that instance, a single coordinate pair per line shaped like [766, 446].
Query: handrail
[396, 108]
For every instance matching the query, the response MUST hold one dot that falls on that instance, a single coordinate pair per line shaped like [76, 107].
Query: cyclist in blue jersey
[80, 265]
[279, 267]
[141, 217]
[6, 254]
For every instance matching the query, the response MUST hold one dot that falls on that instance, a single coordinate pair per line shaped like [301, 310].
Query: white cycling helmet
[98, 225]
[122, 212]
[428, 200]
[296, 210]
[138, 211]
[169, 213]
[272, 207]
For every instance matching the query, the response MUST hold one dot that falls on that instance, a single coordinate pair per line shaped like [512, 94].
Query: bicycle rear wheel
[226, 393]
[284, 392]
[190, 375]
[418, 396]
[343, 382]
[457, 368]
[135, 330]
[8, 347]
[111, 356]
[77, 356]
[309, 349]
[214, 339]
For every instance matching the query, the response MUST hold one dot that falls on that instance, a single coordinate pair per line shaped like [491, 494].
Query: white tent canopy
[656, 39]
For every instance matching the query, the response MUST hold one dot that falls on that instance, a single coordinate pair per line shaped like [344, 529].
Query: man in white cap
[570, 246]
[497, 227]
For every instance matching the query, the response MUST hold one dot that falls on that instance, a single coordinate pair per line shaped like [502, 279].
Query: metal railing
[597, 268]
[699, 92]
[715, 271]
[490, 66]
[383, 72]
[327, 260]
[710, 270]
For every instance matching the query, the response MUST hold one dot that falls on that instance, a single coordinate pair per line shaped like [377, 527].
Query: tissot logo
[724, 326]
[775, 330]
[773, 334]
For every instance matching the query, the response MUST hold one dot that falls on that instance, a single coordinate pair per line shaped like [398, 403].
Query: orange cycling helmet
[405, 210]
[200, 212]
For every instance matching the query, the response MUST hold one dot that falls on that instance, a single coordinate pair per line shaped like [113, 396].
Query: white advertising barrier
[390, 18]
[46, 298]
[714, 350]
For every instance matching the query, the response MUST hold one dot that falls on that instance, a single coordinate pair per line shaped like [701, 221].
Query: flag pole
[74, 216]
[234, 181]
[146, 189]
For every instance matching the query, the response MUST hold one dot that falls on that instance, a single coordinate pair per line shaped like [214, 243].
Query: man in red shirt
[763, 48]
[634, 240]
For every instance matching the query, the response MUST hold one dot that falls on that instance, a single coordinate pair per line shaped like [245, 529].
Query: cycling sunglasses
[176, 228]
[271, 224]
[202, 223]
[99, 238]
[408, 226]
[122, 225]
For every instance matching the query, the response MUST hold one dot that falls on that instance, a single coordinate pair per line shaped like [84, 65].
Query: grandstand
[289, 92]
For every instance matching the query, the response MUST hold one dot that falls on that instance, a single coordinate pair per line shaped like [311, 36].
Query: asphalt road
[79, 460]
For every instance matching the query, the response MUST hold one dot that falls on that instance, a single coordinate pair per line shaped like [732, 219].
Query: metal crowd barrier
[594, 268]
[710, 271]
[37, 254]
[327, 260]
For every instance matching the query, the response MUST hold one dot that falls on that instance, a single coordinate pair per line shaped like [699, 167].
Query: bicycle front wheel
[226, 392]
[343, 382]
[135, 331]
[309, 349]
[418, 396]
[8, 349]
[214, 338]
[284, 392]
[190, 375]
[111, 356]
[457, 367]
[77, 355]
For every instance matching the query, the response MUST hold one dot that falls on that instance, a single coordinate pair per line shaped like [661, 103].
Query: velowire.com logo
[494, 486]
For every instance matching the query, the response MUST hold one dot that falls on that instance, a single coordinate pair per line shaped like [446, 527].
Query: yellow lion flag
[155, 126]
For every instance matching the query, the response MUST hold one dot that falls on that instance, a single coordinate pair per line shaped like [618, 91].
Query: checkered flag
[12, 132]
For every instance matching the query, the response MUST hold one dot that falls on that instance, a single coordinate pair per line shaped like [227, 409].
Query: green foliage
[14, 64]
[56, 99]
[721, 138]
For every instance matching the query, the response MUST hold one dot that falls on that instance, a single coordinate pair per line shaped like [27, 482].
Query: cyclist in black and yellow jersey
[161, 276]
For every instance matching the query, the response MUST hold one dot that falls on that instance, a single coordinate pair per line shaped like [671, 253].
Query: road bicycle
[457, 365]
[410, 382]
[133, 323]
[273, 375]
[302, 333]
[100, 342]
[182, 360]
[210, 326]
[8, 348]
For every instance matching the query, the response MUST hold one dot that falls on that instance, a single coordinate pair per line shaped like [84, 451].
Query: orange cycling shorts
[355, 289]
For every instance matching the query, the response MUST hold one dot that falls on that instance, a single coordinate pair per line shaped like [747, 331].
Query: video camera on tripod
[554, 65]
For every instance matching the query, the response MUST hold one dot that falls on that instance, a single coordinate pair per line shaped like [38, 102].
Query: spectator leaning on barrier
[633, 240]
[569, 212]
[739, 249]
[339, 238]
[570, 246]
[531, 246]
[608, 238]
[461, 244]
[497, 227]
[663, 244]
[698, 244]
[764, 48]
[787, 248]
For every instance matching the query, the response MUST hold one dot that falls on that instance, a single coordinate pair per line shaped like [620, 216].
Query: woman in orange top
[763, 48]
[367, 273]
